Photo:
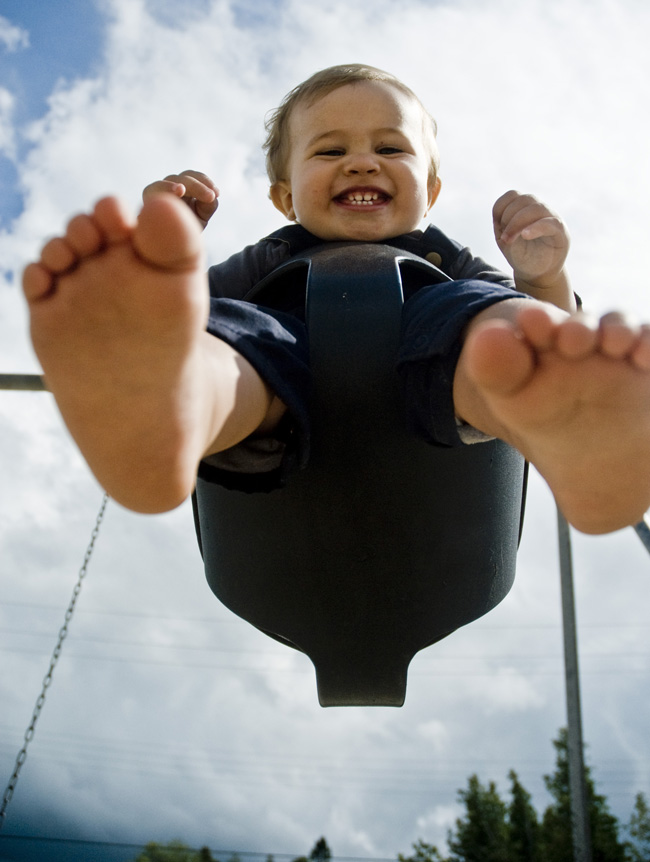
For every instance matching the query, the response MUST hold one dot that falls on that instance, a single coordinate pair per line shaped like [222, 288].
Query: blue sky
[168, 717]
[58, 41]
[64, 41]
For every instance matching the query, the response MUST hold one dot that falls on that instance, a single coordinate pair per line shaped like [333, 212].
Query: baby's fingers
[197, 185]
[510, 207]
[516, 214]
[194, 187]
[533, 222]
[196, 180]
[191, 185]
[549, 227]
[502, 204]
[166, 186]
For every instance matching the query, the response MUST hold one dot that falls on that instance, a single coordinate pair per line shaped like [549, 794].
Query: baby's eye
[387, 151]
[332, 151]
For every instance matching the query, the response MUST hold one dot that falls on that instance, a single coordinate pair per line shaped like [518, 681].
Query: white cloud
[11, 37]
[508, 690]
[435, 732]
[7, 140]
[435, 824]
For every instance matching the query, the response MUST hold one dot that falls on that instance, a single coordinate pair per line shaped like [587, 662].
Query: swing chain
[63, 633]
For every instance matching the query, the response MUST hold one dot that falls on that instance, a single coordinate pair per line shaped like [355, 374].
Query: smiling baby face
[359, 164]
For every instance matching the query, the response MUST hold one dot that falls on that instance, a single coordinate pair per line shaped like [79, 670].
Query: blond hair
[276, 145]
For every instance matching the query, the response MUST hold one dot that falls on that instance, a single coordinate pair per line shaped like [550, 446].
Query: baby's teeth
[363, 198]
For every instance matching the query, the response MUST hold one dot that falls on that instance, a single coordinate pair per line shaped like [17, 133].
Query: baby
[154, 377]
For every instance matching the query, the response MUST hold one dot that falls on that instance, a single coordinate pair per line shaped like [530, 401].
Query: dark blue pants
[433, 321]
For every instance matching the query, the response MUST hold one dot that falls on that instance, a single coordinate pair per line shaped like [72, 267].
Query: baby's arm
[195, 188]
[535, 242]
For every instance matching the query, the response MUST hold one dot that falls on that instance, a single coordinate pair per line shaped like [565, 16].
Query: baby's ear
[434, 191]
[280, 194]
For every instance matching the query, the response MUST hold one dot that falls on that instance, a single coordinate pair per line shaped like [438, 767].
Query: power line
[124, 613]
[307, 669]
[435, 776]
[231, 619]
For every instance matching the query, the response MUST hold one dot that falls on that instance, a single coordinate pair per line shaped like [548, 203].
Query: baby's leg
[573, 396]
[118, 312]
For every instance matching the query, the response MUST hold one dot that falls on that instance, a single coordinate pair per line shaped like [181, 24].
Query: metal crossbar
[23, 382]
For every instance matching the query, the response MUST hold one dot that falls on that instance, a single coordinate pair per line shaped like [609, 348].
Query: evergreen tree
[175, 851]
[482, 835]
[491, 831]
[423, 853]
[523, 825]
[638, 847]
[320, 851]
[556, 836]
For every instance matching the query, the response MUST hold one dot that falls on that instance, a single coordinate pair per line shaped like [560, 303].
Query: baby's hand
[196, 189]
[532, 237]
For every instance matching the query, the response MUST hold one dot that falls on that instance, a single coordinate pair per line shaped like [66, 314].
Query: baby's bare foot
[573, 396]
[117, 312]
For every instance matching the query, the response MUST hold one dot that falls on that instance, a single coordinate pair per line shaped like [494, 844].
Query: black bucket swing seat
[383, 544]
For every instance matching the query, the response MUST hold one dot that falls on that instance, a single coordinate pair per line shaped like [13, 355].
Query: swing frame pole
[580, 827]
[642, 530]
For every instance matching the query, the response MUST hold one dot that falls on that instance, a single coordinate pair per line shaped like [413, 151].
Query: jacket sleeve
[233, 278]
[467, 266]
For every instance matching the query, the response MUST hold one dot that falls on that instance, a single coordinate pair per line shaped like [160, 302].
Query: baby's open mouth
[363, 198]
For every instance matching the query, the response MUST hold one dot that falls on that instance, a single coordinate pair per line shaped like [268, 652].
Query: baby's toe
[577, 337]
[112, 220]
[58, 256]
[168, 234]
[618, 337]
[38, 282]
[84, 236]
[640, 356]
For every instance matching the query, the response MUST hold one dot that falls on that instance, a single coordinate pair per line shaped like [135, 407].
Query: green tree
[482, 835]
[637, 848]
[320, 852]
[175, 851]
[523, 824]
[423, 853]
[556, 837]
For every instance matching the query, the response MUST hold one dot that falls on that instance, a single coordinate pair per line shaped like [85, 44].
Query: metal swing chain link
[63, 633]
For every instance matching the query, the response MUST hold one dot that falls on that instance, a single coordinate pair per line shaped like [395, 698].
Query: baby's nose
[362, 163]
